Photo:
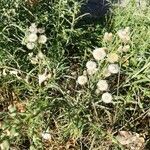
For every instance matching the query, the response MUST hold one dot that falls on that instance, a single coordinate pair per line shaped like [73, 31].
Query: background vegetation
[70, 113]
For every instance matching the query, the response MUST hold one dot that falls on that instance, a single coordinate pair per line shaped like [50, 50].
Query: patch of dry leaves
[131, 141]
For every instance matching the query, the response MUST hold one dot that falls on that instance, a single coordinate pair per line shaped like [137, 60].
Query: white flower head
[46, 136]
[126, 48]
[30, 46]
[108, 36]
[82, 80]
[91, 65]
[43, 77]
[102, 85]
[99, 53]
[34, 60]
[121, 33]
[42, 39]
[124, 35]
[126, 39]
[41, 30]
[32, 37]
[107, 97]
[33, 28]
[112, 57]
[113, 68]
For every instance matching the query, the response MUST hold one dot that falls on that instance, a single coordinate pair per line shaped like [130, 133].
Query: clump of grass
[42, 106]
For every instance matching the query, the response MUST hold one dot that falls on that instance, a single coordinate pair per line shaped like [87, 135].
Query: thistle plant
[65, 86]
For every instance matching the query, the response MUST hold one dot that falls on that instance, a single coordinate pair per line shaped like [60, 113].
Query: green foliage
[72, 114]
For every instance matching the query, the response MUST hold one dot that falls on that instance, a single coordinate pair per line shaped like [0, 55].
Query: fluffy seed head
[46, 136]
[91, 65]
[112, 57]
[99, 53]
[41, 30]
[32, 37]
[107, 97]
[108, 37]
[42, 39]
[124, 35]
[102, 85]
[33, 28]
[30, 46]
[82, 80]
[113, 68]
